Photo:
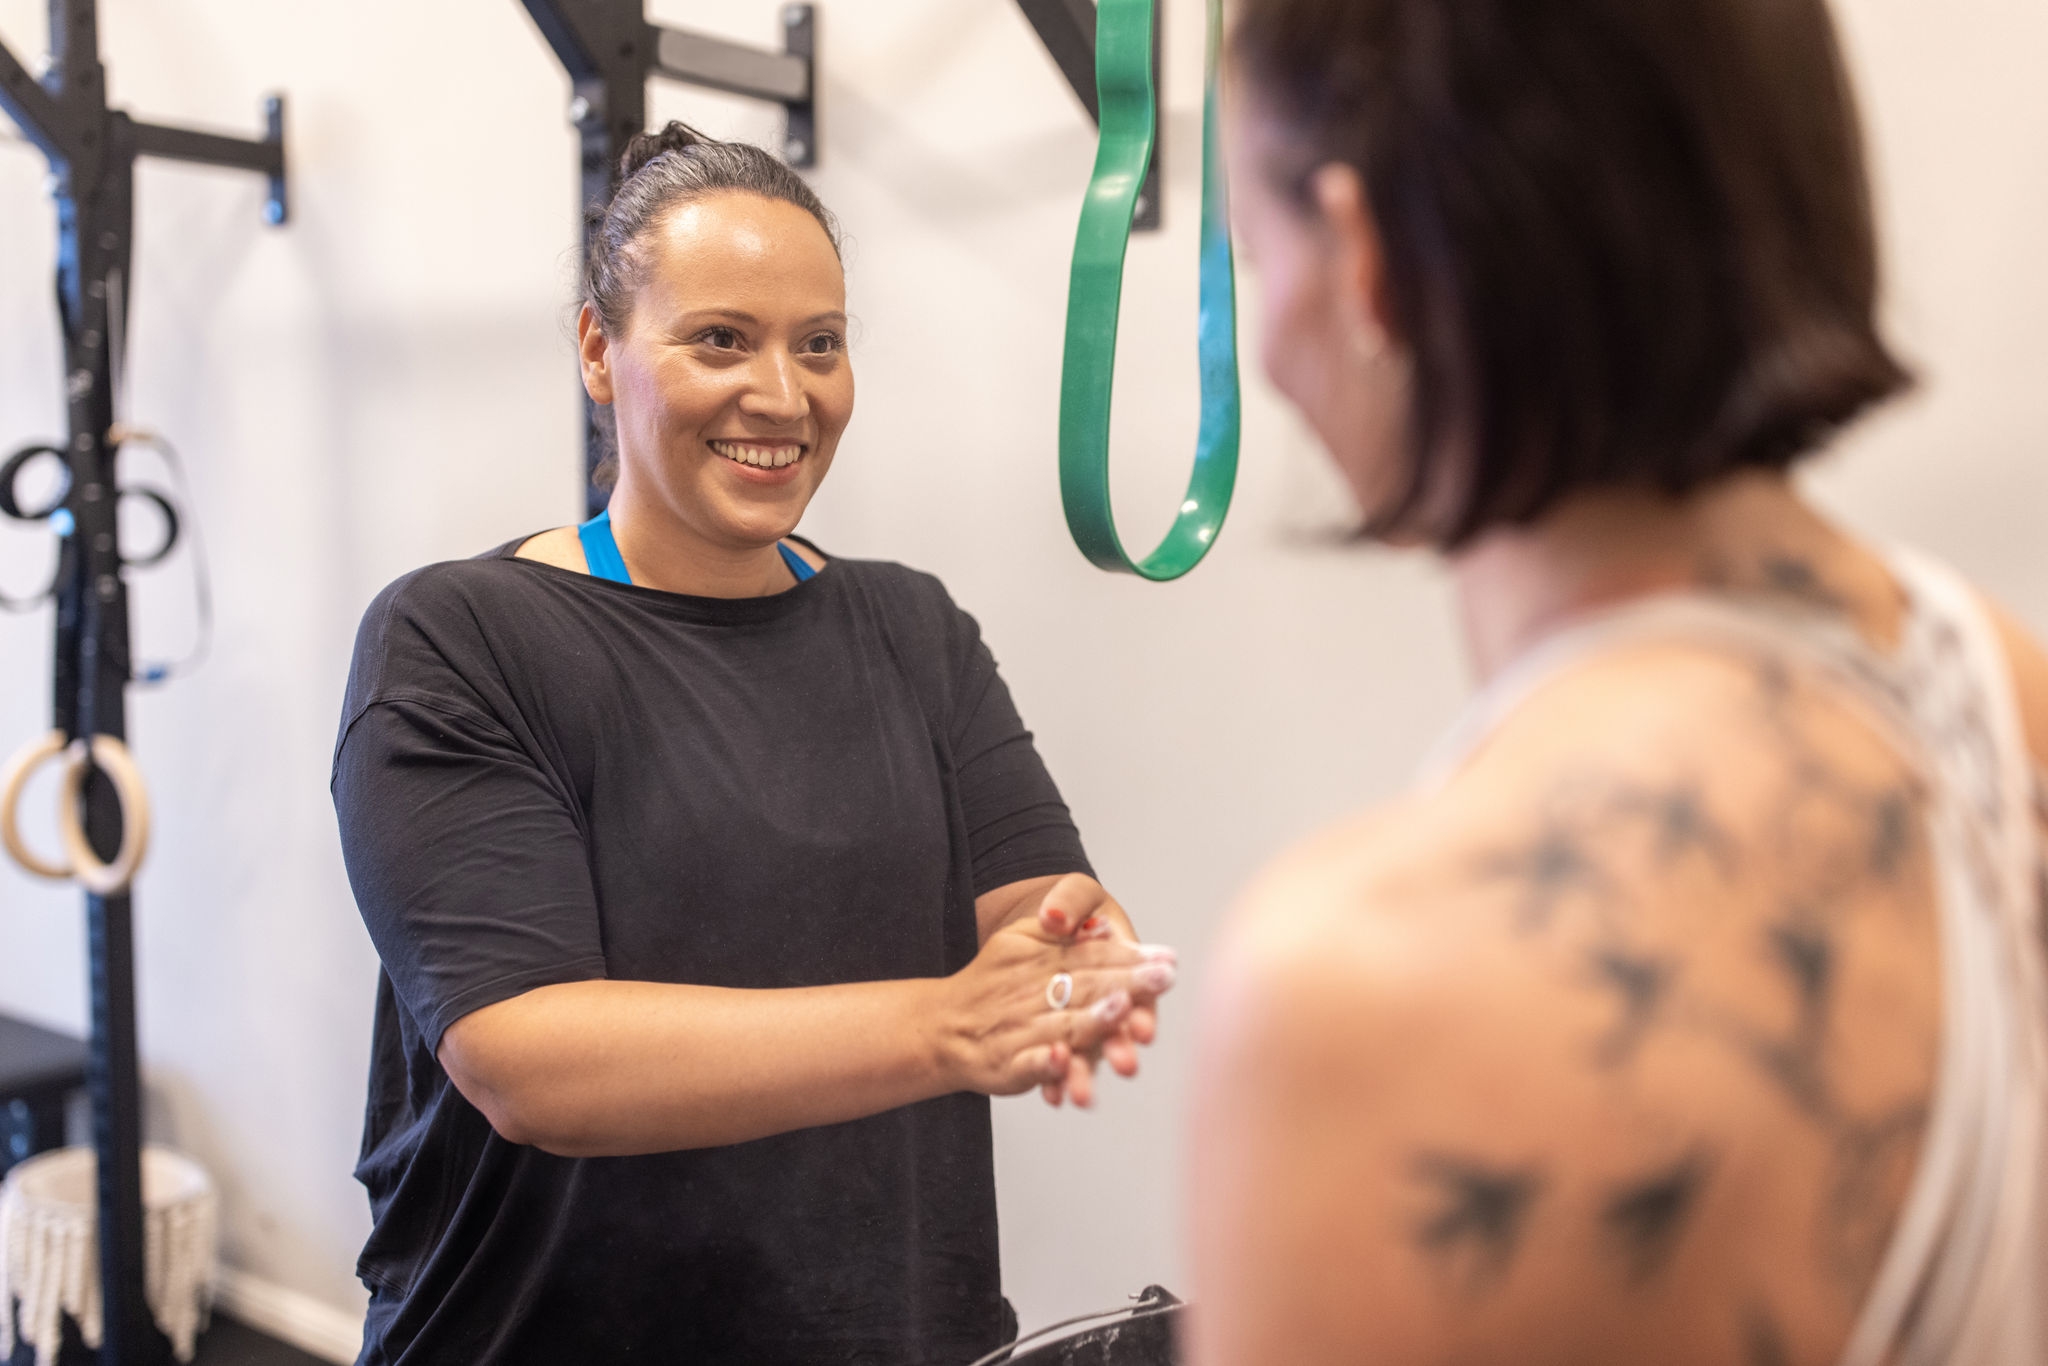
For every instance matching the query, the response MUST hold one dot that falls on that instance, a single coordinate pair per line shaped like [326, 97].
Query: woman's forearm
[611, 1069]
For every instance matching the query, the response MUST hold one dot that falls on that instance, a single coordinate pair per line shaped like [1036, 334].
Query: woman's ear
[594, 349]
[1358, 265]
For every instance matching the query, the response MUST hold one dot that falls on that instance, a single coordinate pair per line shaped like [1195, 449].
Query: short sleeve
[468, 866]
[1018, 826]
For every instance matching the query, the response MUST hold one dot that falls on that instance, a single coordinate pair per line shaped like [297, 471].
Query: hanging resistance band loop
[1123, 69]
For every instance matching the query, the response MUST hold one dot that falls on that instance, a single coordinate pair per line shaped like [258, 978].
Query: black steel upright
[610, 50]
[92, 151]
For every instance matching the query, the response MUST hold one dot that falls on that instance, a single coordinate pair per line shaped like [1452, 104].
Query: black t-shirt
[544, 777]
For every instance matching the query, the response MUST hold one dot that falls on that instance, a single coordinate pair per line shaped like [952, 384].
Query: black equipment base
[40, 1070]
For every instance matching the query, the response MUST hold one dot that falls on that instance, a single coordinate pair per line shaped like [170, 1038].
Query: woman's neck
[663, 551]
[1750, 533]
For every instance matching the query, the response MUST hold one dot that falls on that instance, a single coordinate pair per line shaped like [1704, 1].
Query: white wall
[387, 382]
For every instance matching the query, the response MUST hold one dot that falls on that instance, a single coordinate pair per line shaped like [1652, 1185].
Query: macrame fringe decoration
[49, 1250]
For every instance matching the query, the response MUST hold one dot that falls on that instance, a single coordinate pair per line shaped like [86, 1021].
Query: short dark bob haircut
[1629, 242]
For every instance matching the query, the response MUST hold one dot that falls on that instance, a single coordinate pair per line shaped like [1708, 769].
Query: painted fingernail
[1112, 1007]
[1056, 917]
[1158, 953]
[1154, 978]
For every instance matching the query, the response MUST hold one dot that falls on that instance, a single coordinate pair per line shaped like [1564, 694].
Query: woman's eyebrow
[730, 314]
[742, 316]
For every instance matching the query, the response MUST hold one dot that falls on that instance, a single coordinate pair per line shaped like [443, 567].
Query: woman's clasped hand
[1004, 1031]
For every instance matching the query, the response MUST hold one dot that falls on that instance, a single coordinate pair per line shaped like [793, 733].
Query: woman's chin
[757, 525]
[755, 496]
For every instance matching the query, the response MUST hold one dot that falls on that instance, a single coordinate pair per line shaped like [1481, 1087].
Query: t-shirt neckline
[737, 611]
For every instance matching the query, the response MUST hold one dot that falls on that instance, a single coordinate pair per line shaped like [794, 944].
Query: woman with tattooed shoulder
[1691, 1010]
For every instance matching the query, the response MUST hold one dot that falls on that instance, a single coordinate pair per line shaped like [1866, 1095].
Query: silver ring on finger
[1059, 992]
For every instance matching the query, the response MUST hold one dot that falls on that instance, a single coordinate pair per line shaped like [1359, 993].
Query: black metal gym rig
[92, 151]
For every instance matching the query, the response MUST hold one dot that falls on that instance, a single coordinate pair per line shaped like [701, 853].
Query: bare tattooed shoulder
[1618, 1048]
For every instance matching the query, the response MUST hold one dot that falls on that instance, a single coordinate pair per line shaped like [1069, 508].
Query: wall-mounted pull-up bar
[784, 77]
[92, 151]
[610, 51]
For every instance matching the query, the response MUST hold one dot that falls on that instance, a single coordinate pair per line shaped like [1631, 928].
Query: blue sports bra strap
[798, 565]
[601, 549]
[601, 553]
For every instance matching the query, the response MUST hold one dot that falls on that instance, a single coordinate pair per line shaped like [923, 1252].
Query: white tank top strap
[1689, 618]
[1954, 670]
[1961, 1282]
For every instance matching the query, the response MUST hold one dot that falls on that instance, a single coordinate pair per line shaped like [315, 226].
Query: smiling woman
[716, 884]
[738, 395]
[732, 395]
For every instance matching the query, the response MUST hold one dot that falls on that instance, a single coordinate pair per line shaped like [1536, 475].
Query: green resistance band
[1123, 73]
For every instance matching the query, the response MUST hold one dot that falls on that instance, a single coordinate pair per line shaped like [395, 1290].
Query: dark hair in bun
[658, 173]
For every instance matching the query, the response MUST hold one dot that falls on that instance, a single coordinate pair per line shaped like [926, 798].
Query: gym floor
[226, 1343]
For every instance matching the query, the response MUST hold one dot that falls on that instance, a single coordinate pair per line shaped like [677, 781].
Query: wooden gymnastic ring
[20, 769]
[112, 758]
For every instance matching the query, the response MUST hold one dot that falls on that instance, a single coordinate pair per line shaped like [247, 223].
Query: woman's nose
[777, 393]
